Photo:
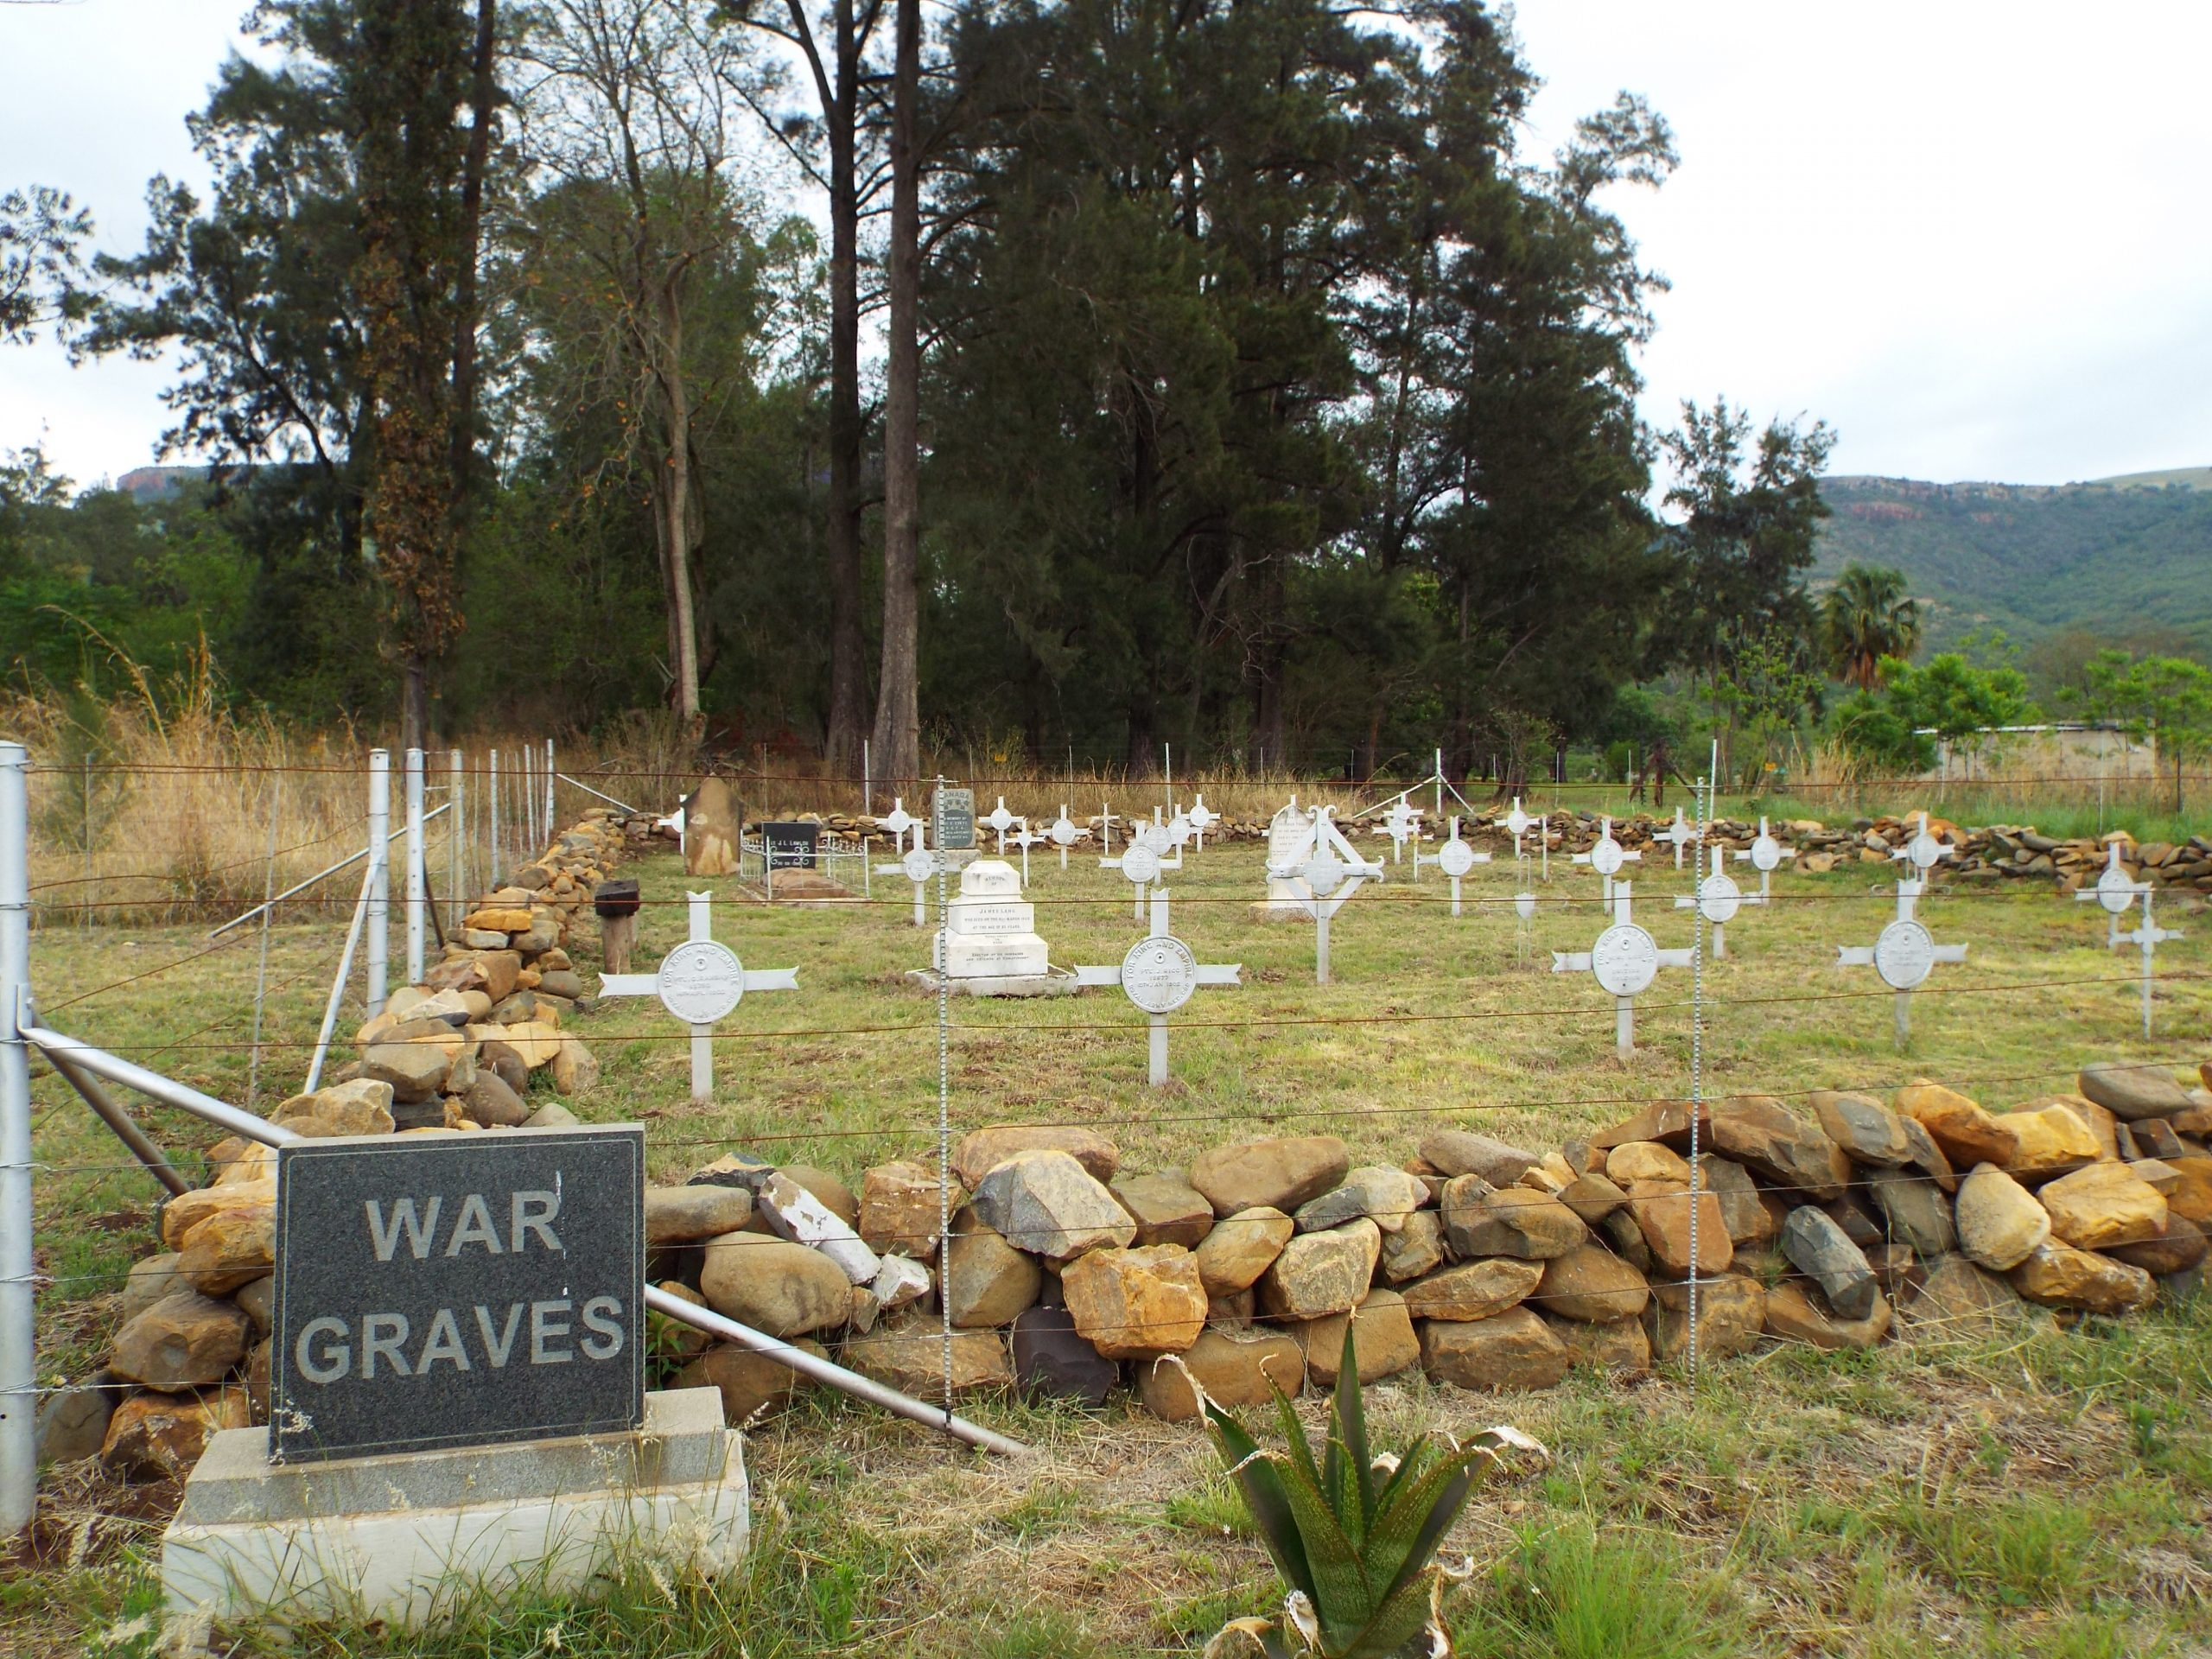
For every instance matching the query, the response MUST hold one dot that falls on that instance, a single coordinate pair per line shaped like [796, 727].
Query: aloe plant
[1354, 1535]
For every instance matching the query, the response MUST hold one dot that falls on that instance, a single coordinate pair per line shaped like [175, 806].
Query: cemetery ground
[2044, 1493]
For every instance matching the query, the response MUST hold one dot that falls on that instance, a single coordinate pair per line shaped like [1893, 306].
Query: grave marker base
[407, 1539]
[1057, 982]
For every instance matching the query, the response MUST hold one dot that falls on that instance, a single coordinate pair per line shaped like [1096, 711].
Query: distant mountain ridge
[2127, 558]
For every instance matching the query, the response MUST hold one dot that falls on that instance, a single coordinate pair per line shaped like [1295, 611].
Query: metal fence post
[549, 794]
[380, 878]
[417, 889]
[456, 841]
[18, 1370]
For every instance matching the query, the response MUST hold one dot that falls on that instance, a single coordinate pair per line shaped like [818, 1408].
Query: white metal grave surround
[1904, 953]
[1319, 883]
[700, 982]
[2118, 894]
[1159, 975]
[1625, 961]
[1455, 858]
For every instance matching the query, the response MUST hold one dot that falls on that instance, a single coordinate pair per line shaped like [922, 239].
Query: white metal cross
[1401, 823]
[1922, 852]
[1025, 838]
[1144, 858]
[1718, 899]
[1765, 855]
[1064, 834]
[1455, 858]
[1681, 832]
[2117, 895]
[1903, 954]
[700, 982]
[1203, 818]
[898, 821]
[1625, 961]
[1001, 820]
[1606, 856]
[1159, 974]
[1330, 873]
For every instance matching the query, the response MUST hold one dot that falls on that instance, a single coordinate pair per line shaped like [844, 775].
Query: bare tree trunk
[846, 664]
[483, 93]
[675, 476]
[898, 705]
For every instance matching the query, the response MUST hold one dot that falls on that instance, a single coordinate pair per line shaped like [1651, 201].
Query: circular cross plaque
[1903, 954]
[1455, 858]
[1159, 973]
[1717, 900]
[918, 865]
[1517, 822]
[1141, 864]
[1626, 959]
[898, 820]
[2114, 891]
[1605, 857]
[1001, 819]
[1201, 816]
[700, 981]
[1766, 854]
[1063, 832]
[1923, 851]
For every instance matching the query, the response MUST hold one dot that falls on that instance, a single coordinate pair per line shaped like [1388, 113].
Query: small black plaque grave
[954, 812]
[439, 1291]
[791, 846]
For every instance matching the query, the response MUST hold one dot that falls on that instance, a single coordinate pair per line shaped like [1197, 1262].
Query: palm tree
[1867, 616]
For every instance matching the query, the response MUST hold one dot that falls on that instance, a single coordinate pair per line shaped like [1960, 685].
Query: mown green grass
[2045, 1493]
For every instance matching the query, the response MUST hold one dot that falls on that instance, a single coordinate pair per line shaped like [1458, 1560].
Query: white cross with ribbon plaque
[1455, 858]
[1904, 954]
[2117, 894]
[1717, 900]
[1143, 858]
[1765, 855]
[1330, 874]
[1606, 856]
[1625, 961]
[913, 863]
[700, 982]
[1159, 973]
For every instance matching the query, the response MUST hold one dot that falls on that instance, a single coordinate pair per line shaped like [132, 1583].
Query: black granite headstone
[791, 846]
[954, 811]
[457, 1290]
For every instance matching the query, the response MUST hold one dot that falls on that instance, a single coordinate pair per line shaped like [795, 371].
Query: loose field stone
[552, 1115]
[1132, 1303]
[1625, 1235]
[414, 1070]
[1898, 1272]
[1860, 1224]
[785, 1289]
[1730, 1315]
[72, 1422]
[1320, 1274]
[362, 1107]
[1475, 1290]
[1414, 1249]
[148, 1282]
[238, 1163]
[751, 1385]
[1799, 1313]
[2178, 1248]
[229, 1249]
[1242, 1246]
[1462, 1152]
[575, 1069]
[2058, 1275]
[1662, 1211]
[836, 1197]
[2048, 1140]
[1234, 1308]
[505, 1061]
[1050, 1356]
[1915, 1210]
[1998, 1220]
[684, 1215]
[1592, 1286]
[256, 1299]
[1047, 1203]
[1620, 1347]
[911, 1360]
[982, 1151]
[2102, 1205]
[183, 1341]
[2192, 1197]
[1820, 1250]
[1516, 1350]
[1758, 1131]
[2102, 1124]
[899, 1281]
[1281, 1173]
[1234, 1370]
[1167, 1208]
[1483, 1220]
[1928, 1157]
[1385, 1196]
[987, 1281]
[2155, 1137]
[161, 1436]
[1750, 1222]
[1593, 1196]
[793, 1212]
[491, 1103]
[899, 1208]
[1966, 1135]
[2131, 1089]
[1664, 1121]
[1961, 1300]
[1382, 1340]
[1645, 1160]
[1866, 1129]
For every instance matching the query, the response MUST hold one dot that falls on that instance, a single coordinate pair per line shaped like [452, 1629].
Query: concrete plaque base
[411, 1538]
[1053, 982]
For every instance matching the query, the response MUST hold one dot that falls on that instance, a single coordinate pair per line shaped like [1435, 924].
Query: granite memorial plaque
[791, 846]
[457, 1290]
[953, 815]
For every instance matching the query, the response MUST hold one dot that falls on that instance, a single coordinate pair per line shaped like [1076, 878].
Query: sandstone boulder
[987, 1281]
[2058, 1275]
[415, 1071]
[1382, 1340]
[1593, 1196]
[1960, 1300]
[1281, 1173]
[2047, 1141]
[1234, 1370]
[1621, 1346]
[1645, 1160]
[184, 1341]
[751, 1385]
[161, 1436]
[1999, 1222]
[1047, 1203]
[1462, 1152]
[1800, 1313]
[1483, 1220]
[1320, 1273]
[1662, 1212]
[1664, 1121]
[1866, 1130]
[2103, 1205]
[899, 1208]
[785, 1289]
[1167, 1208]
[2134, 1089]
[491, 1104]
[1384, 1196]
[1961, 1128]
[1751, 1219]
[912, 1359]
[1242, 1246]
[1415, 1248]
[1914, 1212]
[1515, 1350]
[1475, 1290]
[1818, 1248]
[1758, 1131]
[361, 1107]
[1730, 1315]
[1591, 1285]
[2179, 1246]
[1132, 1303]
[684, 1215]
[983, 1150]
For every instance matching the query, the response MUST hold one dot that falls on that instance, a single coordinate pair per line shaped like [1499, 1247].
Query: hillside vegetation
[2129, 560]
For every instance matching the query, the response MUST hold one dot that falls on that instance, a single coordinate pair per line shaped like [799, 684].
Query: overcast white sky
[1970, 235]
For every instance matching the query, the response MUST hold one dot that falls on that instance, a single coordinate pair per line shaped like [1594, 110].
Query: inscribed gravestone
[954, 813]
[792, 845]
[710, 819]
[439, 1291]
[990, 929]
